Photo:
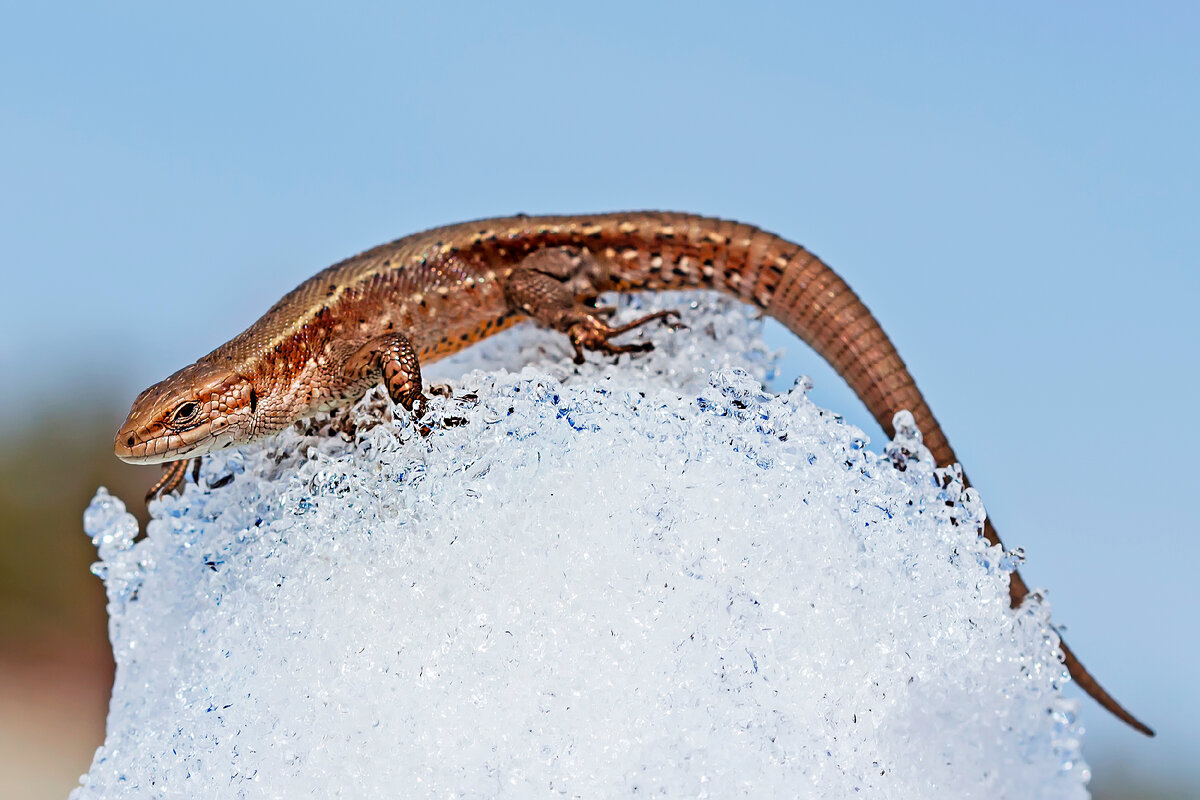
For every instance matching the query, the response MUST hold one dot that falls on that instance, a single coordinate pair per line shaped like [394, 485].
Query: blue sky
[1013, 189]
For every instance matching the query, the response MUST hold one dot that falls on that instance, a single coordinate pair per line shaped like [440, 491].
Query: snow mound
[645, 578]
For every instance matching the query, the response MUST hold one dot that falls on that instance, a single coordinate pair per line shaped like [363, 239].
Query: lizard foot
[593, 333]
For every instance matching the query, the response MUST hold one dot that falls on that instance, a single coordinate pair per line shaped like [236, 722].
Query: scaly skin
[374, 317]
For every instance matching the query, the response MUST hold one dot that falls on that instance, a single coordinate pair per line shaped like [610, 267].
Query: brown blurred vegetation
[1123, 781]
[55, 662]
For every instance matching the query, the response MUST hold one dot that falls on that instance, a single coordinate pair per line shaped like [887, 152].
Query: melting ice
[643, 578]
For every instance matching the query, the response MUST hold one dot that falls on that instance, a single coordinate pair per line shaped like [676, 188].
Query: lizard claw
[674, 322]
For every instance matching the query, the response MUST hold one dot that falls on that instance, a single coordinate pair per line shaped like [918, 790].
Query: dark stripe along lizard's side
[375, 317]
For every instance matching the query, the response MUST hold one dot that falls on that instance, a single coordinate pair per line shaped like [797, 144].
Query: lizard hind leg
[546, 287]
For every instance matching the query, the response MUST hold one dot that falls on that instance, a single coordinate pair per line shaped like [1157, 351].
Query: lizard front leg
[172, 478]
[548, 284]
[392, 360]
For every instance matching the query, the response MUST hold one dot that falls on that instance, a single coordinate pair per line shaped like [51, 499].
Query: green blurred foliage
[49, 470]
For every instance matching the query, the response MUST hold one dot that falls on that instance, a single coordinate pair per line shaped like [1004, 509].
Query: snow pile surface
[651, 579]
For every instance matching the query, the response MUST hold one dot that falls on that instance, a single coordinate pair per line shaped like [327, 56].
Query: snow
[649, 578]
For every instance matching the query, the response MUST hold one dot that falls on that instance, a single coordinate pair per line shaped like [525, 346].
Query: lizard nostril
[129, 442]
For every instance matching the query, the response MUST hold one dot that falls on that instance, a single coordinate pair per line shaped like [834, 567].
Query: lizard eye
[185, 413]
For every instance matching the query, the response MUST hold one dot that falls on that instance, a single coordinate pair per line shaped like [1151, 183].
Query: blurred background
[1013, 189]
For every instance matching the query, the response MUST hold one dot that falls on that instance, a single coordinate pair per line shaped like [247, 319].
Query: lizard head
[199, 409]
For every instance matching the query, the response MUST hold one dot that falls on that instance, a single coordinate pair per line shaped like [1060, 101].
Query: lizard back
[441, 287]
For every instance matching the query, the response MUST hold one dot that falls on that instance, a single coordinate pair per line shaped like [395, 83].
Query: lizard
[376, 317]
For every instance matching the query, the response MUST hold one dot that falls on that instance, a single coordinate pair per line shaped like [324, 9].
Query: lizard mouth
[135, 445]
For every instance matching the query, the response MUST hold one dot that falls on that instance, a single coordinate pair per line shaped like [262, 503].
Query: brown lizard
[377, 316]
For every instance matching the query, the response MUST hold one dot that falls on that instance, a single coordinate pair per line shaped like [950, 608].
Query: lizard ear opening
[253, 400]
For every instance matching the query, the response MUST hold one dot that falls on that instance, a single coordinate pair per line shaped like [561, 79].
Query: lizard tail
[818, 306]
[1017, 592]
